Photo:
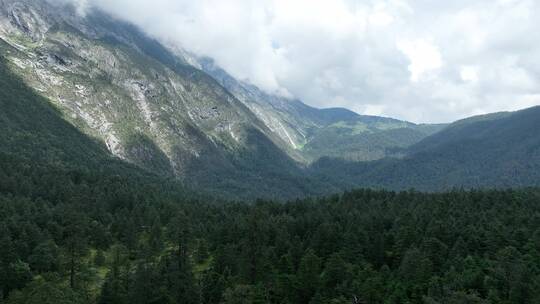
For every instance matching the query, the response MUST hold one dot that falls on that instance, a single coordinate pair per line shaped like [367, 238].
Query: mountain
[148, 106]
[314, 133]
[460, 130]
[499, 150]
[181, 116]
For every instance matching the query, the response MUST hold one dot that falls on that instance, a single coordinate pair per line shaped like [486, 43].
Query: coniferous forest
[89, 238]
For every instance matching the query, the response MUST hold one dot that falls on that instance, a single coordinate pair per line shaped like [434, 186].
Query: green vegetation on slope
[500, 152]
[358, 141]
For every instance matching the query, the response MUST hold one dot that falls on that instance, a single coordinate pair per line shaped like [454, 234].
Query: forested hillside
[494, 151]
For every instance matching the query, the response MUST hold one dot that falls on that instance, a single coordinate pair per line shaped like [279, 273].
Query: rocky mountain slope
[147, 105]
[44, 157]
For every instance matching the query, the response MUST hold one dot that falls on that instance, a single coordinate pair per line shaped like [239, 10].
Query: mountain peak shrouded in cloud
[416, 60]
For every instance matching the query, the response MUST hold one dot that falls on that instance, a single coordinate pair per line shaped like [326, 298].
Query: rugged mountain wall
[147, 105]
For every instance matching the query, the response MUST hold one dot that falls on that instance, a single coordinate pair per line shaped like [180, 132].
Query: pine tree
[177, 266]
[308, 279]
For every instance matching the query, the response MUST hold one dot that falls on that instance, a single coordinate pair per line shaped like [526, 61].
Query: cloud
[81, 6]
[425, 61]
[424, 57]
[469, 73]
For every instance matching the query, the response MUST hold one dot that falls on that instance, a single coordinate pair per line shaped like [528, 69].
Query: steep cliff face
[149, 106]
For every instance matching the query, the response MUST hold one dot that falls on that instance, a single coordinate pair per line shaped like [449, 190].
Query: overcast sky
[419, 60]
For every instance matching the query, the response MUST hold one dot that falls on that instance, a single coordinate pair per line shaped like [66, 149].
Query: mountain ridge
[502, 151]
